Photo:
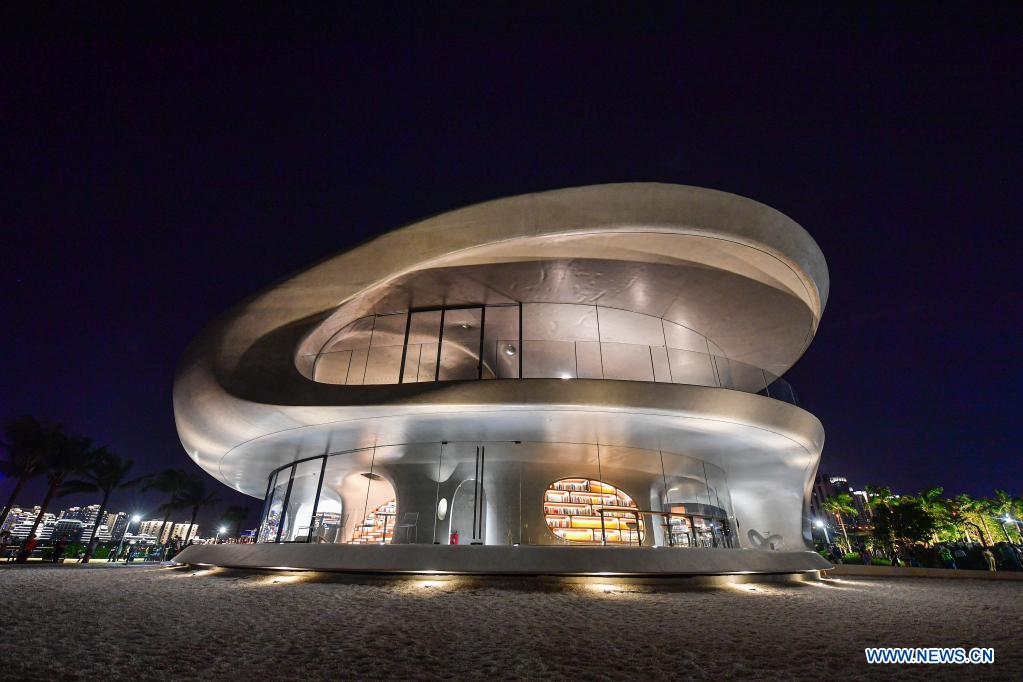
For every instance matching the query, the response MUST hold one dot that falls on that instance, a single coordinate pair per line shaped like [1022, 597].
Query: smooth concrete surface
[919, 572]
[503, 559]
[238, 381]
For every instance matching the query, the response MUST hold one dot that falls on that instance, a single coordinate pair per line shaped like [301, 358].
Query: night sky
[152, 176]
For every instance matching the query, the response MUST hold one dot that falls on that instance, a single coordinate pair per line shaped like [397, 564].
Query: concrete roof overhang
[764, 280]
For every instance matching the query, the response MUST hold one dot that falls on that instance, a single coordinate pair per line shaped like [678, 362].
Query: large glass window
[532, 341]
[423, 344]
[383, 362]
[268, 532]
[501, 492]
[551, 338]
[301, 501]
[501, 352]
[460, 344]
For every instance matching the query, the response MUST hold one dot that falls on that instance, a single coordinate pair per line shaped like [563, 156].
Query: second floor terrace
[527, 341]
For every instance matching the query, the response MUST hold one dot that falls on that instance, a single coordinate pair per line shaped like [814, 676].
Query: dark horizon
[151, 183]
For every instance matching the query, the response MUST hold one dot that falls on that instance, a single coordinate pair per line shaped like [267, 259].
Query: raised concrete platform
[504, 559]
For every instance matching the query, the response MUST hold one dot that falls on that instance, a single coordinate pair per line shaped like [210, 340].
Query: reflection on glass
[549, 360]
[501, 352]
[421, 354]
[275, 509]
[301, 501]
[383, 363]
[460, 344]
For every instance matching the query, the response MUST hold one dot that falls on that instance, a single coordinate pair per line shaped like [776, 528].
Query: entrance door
[469, 501]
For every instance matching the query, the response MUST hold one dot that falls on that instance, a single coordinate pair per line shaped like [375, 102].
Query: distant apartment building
[825, 486]
[76, 522]
[87, 515]
[116, 523]
[171, 531]
[20, 523]
[72, 529]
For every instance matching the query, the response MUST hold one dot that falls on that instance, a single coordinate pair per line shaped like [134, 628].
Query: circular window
[442, 508]
[592, 512]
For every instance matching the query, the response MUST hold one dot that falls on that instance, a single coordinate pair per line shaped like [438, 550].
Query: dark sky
[153, 175]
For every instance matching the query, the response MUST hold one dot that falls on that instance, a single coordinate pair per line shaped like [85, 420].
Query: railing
[543, 359]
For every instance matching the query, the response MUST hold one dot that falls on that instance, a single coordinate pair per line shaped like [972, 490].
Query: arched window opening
[586, 511]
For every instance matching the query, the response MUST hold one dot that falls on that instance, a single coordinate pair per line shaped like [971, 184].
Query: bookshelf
[569, 509]
[378, 527]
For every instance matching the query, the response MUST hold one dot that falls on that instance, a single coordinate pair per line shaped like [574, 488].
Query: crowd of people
[1003, 556]
[11, 548]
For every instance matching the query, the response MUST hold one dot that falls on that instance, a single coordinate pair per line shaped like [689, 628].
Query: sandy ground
[72, 622]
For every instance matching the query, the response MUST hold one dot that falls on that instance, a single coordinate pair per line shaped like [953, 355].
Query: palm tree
[72, 455]
[196, 497]
[933, 504]
[105, 474]
[959, 509]
[170, 481]
[233, 517]
[977, 509]
[27, 440]
[879, 496]
[841, 503]
[1002, 505]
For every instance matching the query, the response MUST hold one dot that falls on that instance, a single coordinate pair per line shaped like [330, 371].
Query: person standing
[946, 557]
[27, 548]
[5, 542]
[58, 550]
[990, 559]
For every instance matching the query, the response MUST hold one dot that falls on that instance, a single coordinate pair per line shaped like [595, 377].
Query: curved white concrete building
[584, 380]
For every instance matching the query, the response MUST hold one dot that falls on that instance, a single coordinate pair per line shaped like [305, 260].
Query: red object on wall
[454, 538]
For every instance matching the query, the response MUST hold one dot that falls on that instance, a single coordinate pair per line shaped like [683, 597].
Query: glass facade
[592, 513]
[531, 341]
[500, 492]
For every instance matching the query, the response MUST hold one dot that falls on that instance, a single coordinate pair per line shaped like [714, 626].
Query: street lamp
[221, 531]
[134, 519]
[820, 524]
